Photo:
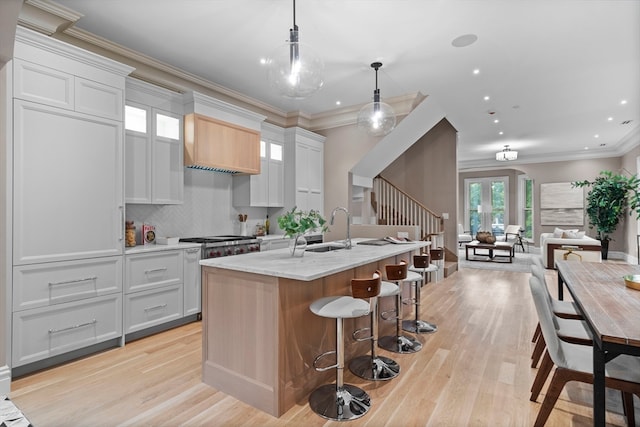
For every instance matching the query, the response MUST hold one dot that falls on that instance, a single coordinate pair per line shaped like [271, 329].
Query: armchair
[512, 234]
[463, 236]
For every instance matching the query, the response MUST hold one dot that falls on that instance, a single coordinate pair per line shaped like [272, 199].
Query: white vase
[243, 228]
[297, 245]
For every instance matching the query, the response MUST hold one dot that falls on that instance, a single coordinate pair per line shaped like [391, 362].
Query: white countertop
[312, 265]
[156, 248]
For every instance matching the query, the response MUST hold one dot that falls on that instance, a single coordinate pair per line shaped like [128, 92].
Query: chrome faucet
[347, 241]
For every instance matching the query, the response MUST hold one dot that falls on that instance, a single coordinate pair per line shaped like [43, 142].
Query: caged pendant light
[377, 118]
[294, 69]
[506, 154]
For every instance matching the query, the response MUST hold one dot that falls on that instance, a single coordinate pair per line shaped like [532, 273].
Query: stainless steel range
[217, 246]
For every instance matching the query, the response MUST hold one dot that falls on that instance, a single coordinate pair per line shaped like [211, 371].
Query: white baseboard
[5, 379]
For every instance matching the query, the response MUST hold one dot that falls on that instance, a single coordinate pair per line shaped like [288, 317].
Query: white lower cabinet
[44, 332]
[161, 286]
[192, 285]
[152, 307]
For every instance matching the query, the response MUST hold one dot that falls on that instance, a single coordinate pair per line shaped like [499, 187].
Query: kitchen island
[259, 336]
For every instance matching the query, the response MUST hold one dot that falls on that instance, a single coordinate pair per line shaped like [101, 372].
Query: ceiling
[556, 72]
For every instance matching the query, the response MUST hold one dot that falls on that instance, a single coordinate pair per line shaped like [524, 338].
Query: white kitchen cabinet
[49, 331]
[44, 284]
[68, 198]
[153, 307]
[308, 173]
[67, 234]
[152, 270]
[154, 171]
[265, 189]
[192, 285]
[161, 286]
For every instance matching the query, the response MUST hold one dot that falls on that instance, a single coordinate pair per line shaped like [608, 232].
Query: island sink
[324, 248]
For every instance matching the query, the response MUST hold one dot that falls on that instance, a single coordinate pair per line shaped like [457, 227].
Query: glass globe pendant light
[376, 117]
[294, 69]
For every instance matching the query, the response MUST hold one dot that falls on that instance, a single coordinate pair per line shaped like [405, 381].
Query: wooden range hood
[220, 137]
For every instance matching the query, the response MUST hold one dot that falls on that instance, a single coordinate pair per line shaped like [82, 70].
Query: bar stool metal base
[418, 326]
[339, 404]
[400, 344]
[379, 368]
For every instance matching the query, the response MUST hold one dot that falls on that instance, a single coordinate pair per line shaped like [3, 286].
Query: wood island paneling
[260, 338]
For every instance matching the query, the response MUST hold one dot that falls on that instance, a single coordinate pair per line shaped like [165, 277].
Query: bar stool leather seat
[342, 401]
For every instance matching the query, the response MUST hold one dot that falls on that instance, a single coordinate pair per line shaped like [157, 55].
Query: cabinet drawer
[98, 99]
[45, 332]
[40, 285]
[43, 85]
[153, 307]
[147, 271]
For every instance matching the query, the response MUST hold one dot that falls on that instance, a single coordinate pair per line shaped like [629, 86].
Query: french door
[486, 202]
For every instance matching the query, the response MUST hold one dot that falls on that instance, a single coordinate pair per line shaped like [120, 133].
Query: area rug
[521, 263]
[10, 416]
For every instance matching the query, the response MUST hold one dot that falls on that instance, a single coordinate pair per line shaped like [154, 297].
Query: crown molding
[47, 17]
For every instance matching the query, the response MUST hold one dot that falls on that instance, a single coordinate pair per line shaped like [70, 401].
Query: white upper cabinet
[153, 145]
[308, 174]
[267, 188]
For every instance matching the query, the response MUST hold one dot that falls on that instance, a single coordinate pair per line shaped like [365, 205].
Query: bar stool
[437, 258]
[342, 401]
[399, 343]
[422, 265]
[375, 367]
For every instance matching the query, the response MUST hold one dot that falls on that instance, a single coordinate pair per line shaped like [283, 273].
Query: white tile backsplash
[207, 209]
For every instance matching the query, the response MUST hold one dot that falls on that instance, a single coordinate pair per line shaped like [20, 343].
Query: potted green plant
[296, 223]
[608, 199]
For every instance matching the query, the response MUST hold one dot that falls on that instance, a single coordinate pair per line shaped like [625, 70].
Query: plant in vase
[608, 199]
[296, 223]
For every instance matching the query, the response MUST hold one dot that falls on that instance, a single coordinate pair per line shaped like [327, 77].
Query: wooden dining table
[610, 309]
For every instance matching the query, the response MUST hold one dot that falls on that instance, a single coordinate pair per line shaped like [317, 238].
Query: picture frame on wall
[561, 204]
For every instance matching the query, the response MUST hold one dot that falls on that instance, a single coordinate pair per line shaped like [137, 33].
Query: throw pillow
[557, 233]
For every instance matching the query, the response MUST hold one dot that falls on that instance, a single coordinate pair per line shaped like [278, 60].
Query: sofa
[570, 245]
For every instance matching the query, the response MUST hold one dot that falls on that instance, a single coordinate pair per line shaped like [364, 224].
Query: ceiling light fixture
[506, 154]
[377, 118]
[294, 69]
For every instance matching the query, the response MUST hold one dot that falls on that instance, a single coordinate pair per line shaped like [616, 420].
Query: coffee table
[492, 251]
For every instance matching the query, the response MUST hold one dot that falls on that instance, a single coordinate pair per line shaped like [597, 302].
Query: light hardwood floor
[474, 371]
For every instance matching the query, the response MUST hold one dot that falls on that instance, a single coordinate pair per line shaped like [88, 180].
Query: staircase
[393, 206]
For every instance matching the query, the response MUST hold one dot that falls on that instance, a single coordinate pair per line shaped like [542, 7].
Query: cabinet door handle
[122, 224]
[154, 307]
[66, 282]
[68, 328]
[155, 270]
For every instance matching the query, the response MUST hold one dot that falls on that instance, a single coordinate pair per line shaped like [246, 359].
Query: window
[167, 127]
[135, 119]
[276, 152]
[525, 206]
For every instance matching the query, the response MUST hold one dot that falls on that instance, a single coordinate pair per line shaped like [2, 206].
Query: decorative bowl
[632, 281]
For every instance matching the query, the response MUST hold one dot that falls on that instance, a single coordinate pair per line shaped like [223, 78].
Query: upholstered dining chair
[575, 363]
[572, 332]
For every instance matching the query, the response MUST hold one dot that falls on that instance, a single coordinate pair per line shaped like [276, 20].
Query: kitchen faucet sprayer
[347, 241]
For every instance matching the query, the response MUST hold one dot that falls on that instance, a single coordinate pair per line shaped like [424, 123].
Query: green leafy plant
[608, 199]
[296, 222]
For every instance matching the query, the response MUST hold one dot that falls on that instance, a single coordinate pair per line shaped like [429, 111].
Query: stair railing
[393, 206]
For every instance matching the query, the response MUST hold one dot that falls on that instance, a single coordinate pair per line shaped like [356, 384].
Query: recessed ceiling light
[496, 121]
[263, 61]
[623, 102]
[338, 102]
[476, 71]
[586, 148]
[486, 98]
[596, 136]
[609, 119]
[500, 133]
[464, 40]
